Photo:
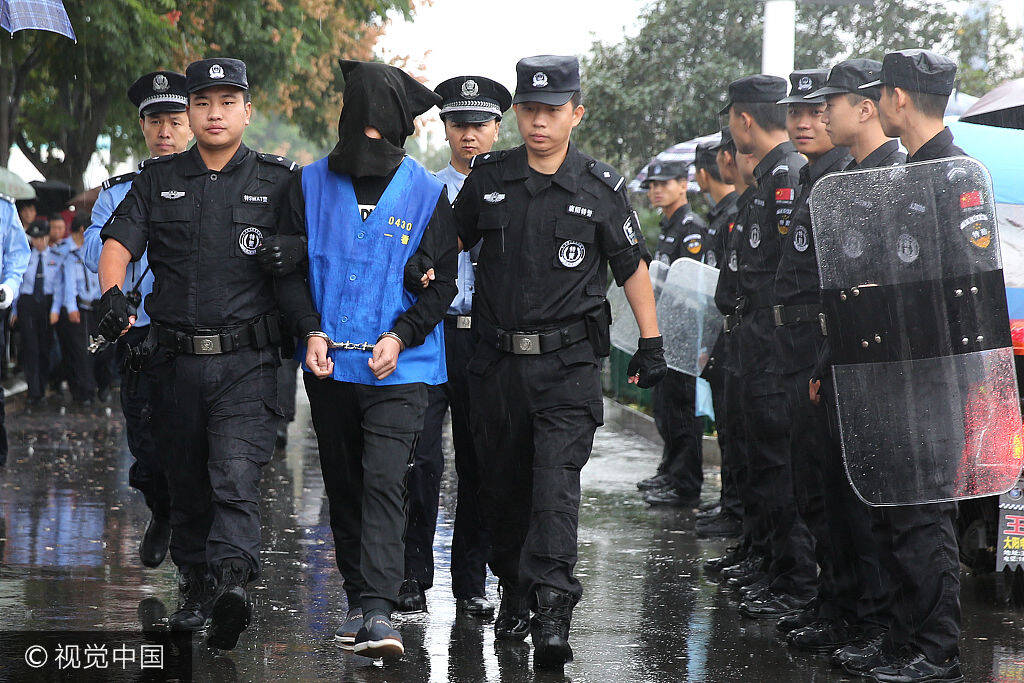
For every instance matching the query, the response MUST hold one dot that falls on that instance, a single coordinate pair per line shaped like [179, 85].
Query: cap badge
[656, 170]
[160, 83]
[470, 89]
[216, 71]
[804, 83]
[540, 80]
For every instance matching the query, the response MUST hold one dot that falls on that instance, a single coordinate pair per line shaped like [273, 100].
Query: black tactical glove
[279, 255]
[648, 362]
[415, 268]
[112, 311]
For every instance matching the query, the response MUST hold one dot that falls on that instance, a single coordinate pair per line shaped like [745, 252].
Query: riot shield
[624, 330]
[922, 361]
[687, 316]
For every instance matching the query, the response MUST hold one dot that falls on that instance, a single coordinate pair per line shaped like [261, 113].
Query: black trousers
[674, 402]
[755, 525]
[730, 498]
[74, 342]
[469, 540]
[107, 362]
[3, 411]
[766, 416]
[366, 436]
[287, 384]
[534, 419]
[216, 420]
[139, 392]
[36, 337]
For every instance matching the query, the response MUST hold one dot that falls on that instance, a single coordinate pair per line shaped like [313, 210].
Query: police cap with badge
[40, 227]
[804, 82]
[548, 79]
[665, 170]
[848, 77]
[158, 92]
[473, 99]
[918, 71]
[723, 141]
[207, 73]
[753, 89]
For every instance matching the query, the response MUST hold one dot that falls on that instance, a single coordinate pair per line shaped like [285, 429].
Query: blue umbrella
[42, 15]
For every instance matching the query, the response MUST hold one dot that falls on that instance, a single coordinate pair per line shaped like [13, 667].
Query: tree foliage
[667, 84]
[56, 97]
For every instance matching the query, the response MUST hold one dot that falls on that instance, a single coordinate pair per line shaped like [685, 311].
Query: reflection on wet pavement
[70, 527]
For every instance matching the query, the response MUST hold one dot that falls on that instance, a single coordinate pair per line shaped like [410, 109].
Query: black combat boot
[196, 590]
[153, 548]
[549, 628]
[232, 610]
[513, 620]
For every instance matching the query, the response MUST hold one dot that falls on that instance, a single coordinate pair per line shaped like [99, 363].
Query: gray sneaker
[346, 633]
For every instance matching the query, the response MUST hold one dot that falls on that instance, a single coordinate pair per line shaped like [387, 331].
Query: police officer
[202, 214]
[471, 111]
[724, 519]
[550, 220]
[758, 125]
[73, 326]
[14, 257]
[828, 622]
[37, 309]
[919, 541]
[161, 100]
[680, 472]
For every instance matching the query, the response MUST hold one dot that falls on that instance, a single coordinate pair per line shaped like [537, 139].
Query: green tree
[667, 84]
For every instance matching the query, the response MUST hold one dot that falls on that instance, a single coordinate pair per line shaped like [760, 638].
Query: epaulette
[7, 198]
[152, 160]
[607, 175]
[118, 179]
[781, 168]
[279, 160]
[489, 158]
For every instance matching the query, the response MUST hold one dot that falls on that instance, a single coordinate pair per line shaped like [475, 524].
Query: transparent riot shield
[922, 361]
[687, 316]
[624, 330]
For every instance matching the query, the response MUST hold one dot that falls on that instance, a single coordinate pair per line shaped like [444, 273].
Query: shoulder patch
[118, 179]
[278, 160]
[607, 175]
[156, 160]
[488, 158]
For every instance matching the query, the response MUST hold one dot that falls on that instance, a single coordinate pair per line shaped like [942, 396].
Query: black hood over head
[378, 96]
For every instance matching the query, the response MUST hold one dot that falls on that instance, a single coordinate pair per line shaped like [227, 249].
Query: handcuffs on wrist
[352, 346]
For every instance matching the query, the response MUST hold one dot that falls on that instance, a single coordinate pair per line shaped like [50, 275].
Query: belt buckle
[206, 345]
[526, 344]
[463, 322]
[777, 315]
[824, 326]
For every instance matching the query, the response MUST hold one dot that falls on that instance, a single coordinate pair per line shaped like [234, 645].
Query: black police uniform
[764, 404]
[216, 334]
[466, 99]
[674, 399]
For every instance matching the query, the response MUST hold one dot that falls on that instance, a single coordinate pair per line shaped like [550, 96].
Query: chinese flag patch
[731, 226]
[969, 199]
[784, 194]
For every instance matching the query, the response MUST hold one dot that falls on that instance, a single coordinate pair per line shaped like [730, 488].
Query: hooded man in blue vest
[371, 347]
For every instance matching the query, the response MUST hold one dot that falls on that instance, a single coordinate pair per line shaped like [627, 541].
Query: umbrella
[51, 195]
[13, 186]
[683, 151]
[84, 200]
[42, 15]
[1002, 107]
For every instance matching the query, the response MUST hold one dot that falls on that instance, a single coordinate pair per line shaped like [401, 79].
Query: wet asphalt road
[70, 527]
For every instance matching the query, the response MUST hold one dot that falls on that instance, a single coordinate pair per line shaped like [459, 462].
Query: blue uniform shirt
[463, 302]
[86, 283]
[54, 284]
[106, 202]
[14, 249]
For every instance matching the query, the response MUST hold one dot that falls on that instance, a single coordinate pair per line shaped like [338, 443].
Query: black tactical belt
[258, 334]
[753, 301]
[802, 313]
[917, 320]
[462, 322]
[534, 344]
